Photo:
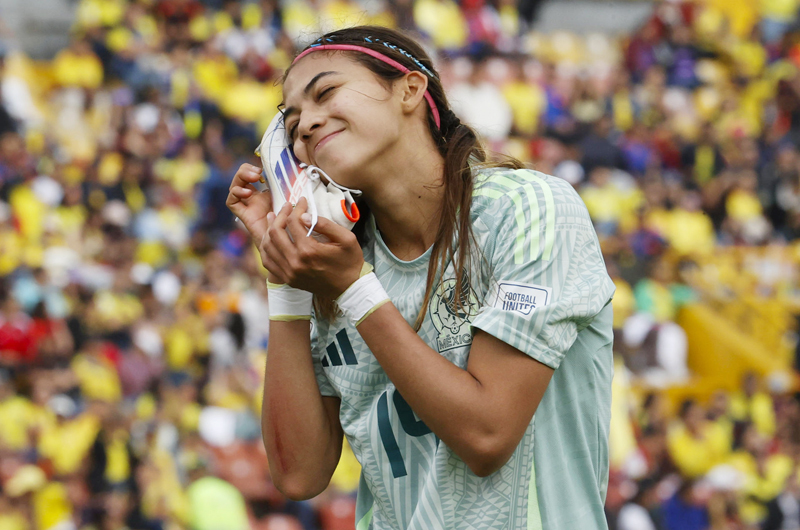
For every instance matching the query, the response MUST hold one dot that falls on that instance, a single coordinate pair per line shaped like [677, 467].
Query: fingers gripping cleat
[289, 180]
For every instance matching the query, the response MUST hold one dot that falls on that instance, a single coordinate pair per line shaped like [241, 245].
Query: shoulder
[504, 193]
[494, 183]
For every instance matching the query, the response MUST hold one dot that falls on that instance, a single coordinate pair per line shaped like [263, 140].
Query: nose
[310, 120]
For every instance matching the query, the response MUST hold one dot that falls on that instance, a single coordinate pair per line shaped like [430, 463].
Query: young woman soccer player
[471, 371]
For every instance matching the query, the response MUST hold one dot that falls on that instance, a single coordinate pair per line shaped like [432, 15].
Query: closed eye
[324, 92]
[320, 96]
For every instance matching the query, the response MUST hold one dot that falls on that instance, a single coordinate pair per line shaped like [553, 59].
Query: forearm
[455, 405]
[303, 445]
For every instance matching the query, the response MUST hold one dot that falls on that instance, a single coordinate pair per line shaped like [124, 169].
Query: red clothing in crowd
[17, 339]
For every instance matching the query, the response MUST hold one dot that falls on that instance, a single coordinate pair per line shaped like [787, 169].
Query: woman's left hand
[325, 269]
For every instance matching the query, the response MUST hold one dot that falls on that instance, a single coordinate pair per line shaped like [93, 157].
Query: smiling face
[340, 116]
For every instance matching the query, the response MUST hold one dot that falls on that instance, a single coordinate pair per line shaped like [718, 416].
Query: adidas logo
[332, 358]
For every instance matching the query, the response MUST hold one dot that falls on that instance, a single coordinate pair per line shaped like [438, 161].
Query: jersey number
[410, 424]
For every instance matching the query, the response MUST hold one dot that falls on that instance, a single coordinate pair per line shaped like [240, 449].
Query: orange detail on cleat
[352, 214]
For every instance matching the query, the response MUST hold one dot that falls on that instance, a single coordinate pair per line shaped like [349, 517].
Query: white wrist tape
[363, 297]
[287, 303]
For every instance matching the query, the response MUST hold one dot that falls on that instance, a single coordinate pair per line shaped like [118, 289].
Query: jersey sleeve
[547, 277]
[317, 352]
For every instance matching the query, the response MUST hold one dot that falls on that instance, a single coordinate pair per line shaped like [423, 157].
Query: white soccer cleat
[289, 180]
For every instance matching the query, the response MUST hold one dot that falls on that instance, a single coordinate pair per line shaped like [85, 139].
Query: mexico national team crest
[451, 322]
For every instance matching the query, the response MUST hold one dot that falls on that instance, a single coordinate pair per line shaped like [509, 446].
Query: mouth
[326, 139]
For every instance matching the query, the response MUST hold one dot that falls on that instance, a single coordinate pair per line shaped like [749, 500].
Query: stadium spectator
[752, 404]
[684, 510]
[635, 515]
[660, 344]
[695, 445]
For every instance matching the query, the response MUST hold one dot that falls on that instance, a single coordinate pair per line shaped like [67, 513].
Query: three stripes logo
[333, 358]
[526, 199]
[289, 175]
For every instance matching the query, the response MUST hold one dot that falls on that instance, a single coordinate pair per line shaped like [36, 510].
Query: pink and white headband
[378, 55]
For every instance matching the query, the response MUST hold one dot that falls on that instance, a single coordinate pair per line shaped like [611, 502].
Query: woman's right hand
[248, 204]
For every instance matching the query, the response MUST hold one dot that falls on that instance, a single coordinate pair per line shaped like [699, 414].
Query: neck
[406, 197]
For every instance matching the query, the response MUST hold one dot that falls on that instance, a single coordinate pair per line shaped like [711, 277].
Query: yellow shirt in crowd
[13, 521]
[214, 75]
[689, 233]
[97, 377]
[443, 21]
[118, 467]
[527, 102]
[94, 13]
[51, 506]
[29, 211]
[250, 100]
[67, 443]
[610, 204]
[623, 303]
[760, 485]
[742, 15]
[742, 205]
[77, 70]
[758, 409]
[695, 456]
[15, 416]
[781, 10]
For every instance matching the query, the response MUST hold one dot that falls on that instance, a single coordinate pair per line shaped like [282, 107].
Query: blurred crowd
[132, 329]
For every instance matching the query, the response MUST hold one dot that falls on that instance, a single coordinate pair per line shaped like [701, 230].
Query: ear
[413, 87]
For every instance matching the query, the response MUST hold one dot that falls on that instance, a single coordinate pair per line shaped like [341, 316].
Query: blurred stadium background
[132, 329]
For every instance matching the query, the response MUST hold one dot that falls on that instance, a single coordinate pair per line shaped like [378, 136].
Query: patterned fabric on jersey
[544, 290]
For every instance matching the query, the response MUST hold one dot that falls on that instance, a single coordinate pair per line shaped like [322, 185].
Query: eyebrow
[309, 87]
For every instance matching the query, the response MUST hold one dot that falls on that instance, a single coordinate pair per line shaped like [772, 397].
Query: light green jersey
[543, 289]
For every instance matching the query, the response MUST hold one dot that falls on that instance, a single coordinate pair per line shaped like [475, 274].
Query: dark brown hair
[457, 143]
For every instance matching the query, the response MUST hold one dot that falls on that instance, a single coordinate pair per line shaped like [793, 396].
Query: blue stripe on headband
[374, 40]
